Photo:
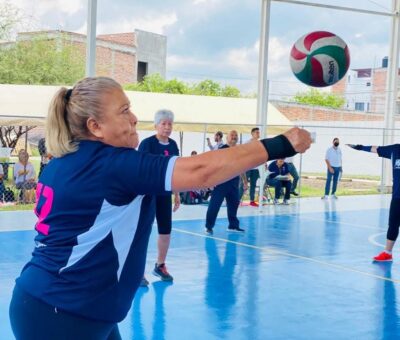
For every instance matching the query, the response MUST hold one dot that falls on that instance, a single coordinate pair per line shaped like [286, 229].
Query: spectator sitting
[44, 156]
[278, 178]
[24, 177]
[2, 188]
[195, 196]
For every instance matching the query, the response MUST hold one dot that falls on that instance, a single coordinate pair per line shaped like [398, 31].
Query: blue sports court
[302, 271]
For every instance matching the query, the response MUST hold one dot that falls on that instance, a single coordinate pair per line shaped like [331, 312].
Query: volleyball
[319, 59]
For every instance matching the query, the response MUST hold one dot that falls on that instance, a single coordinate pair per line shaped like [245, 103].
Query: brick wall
[120, 38]
[115, 53]
[378, 90]
[296, 112]
[340, 86]
[126, 72]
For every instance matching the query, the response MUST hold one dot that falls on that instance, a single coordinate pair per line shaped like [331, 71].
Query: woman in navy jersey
[161, 144]
[391, 152]
[95, 210]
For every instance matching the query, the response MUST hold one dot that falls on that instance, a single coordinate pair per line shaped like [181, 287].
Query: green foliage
[41, 61]
[156, 83]
[319, 98]
[207, 88]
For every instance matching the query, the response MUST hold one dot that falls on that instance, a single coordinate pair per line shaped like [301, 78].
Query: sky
[219, 39]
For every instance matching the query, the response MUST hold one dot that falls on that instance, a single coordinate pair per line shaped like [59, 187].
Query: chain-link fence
[18, 181]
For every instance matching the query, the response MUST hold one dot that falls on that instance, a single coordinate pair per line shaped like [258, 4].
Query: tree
[230, 91]
[10, 16]
[41, 61]
[319, 98]
[9, 135]
[156, 83]
[207, 88]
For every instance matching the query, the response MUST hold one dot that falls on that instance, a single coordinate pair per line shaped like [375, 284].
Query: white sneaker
[286, 202]
[335, 197]
[276, 201]
[325, 197]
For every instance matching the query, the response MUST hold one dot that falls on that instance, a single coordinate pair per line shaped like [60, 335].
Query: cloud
[152, 23]
[41, 8]
[177, 61]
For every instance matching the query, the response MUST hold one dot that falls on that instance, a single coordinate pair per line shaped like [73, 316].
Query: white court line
[278, 252]
[372, 239]
[345, 223]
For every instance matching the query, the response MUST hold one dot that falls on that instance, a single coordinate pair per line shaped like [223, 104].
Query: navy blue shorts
[164, 214]
[32, 319]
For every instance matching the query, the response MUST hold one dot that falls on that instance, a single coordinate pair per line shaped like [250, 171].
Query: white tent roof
[28, 104]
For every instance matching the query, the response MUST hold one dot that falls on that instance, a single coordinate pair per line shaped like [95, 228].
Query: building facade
[126, 57]
[364, 89]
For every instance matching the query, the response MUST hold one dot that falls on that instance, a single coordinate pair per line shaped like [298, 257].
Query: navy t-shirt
[95, 213]
[275, 170]
[392, 152]
[154, 146]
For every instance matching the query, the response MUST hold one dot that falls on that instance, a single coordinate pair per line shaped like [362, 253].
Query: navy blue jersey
[276, 171]
[154, 146]
[95, 211]
[392, 152]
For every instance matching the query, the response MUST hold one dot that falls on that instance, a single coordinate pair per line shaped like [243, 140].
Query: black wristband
[278, 147]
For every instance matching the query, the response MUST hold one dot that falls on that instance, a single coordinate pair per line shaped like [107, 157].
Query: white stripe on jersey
[121, 221]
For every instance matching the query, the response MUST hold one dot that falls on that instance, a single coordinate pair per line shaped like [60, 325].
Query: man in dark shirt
[229, 191]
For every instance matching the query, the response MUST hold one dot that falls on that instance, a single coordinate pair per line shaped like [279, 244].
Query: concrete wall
[152, 49]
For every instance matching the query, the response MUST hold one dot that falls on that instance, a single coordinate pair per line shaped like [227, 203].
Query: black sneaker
[236, 230]
[160, 270]
[209, 231]
[294, 193]
[144, 282]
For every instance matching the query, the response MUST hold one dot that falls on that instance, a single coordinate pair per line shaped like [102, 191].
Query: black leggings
[164, 214]
[32, 319]
[394, 219]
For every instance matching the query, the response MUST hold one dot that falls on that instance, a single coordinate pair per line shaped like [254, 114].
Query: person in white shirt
[2, 188]
[25, 177]
[333, 159]
[218, 140]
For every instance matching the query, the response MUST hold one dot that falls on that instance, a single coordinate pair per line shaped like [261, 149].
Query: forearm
[366, 148]
[212, 168]
[328, 164]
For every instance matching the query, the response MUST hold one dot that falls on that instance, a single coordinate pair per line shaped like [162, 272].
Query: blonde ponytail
[70, 110]
[58, 135]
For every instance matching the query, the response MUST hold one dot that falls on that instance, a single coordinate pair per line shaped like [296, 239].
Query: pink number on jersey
[48, 194]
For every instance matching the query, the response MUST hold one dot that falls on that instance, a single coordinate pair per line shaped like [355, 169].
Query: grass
[323, 174]
[308, 191]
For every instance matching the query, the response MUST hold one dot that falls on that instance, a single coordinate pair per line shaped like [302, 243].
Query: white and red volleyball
[319, 59]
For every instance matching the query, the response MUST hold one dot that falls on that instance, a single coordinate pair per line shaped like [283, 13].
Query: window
[141, 70]
[368, 84]
[359, 107]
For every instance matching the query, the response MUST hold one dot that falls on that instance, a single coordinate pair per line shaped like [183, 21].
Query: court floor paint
[298, 272]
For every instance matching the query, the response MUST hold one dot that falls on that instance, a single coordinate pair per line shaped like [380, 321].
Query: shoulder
[150, 139]
[224, 146]
[172, 141]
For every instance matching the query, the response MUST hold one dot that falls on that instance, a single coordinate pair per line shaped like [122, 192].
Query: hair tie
[68, 95]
